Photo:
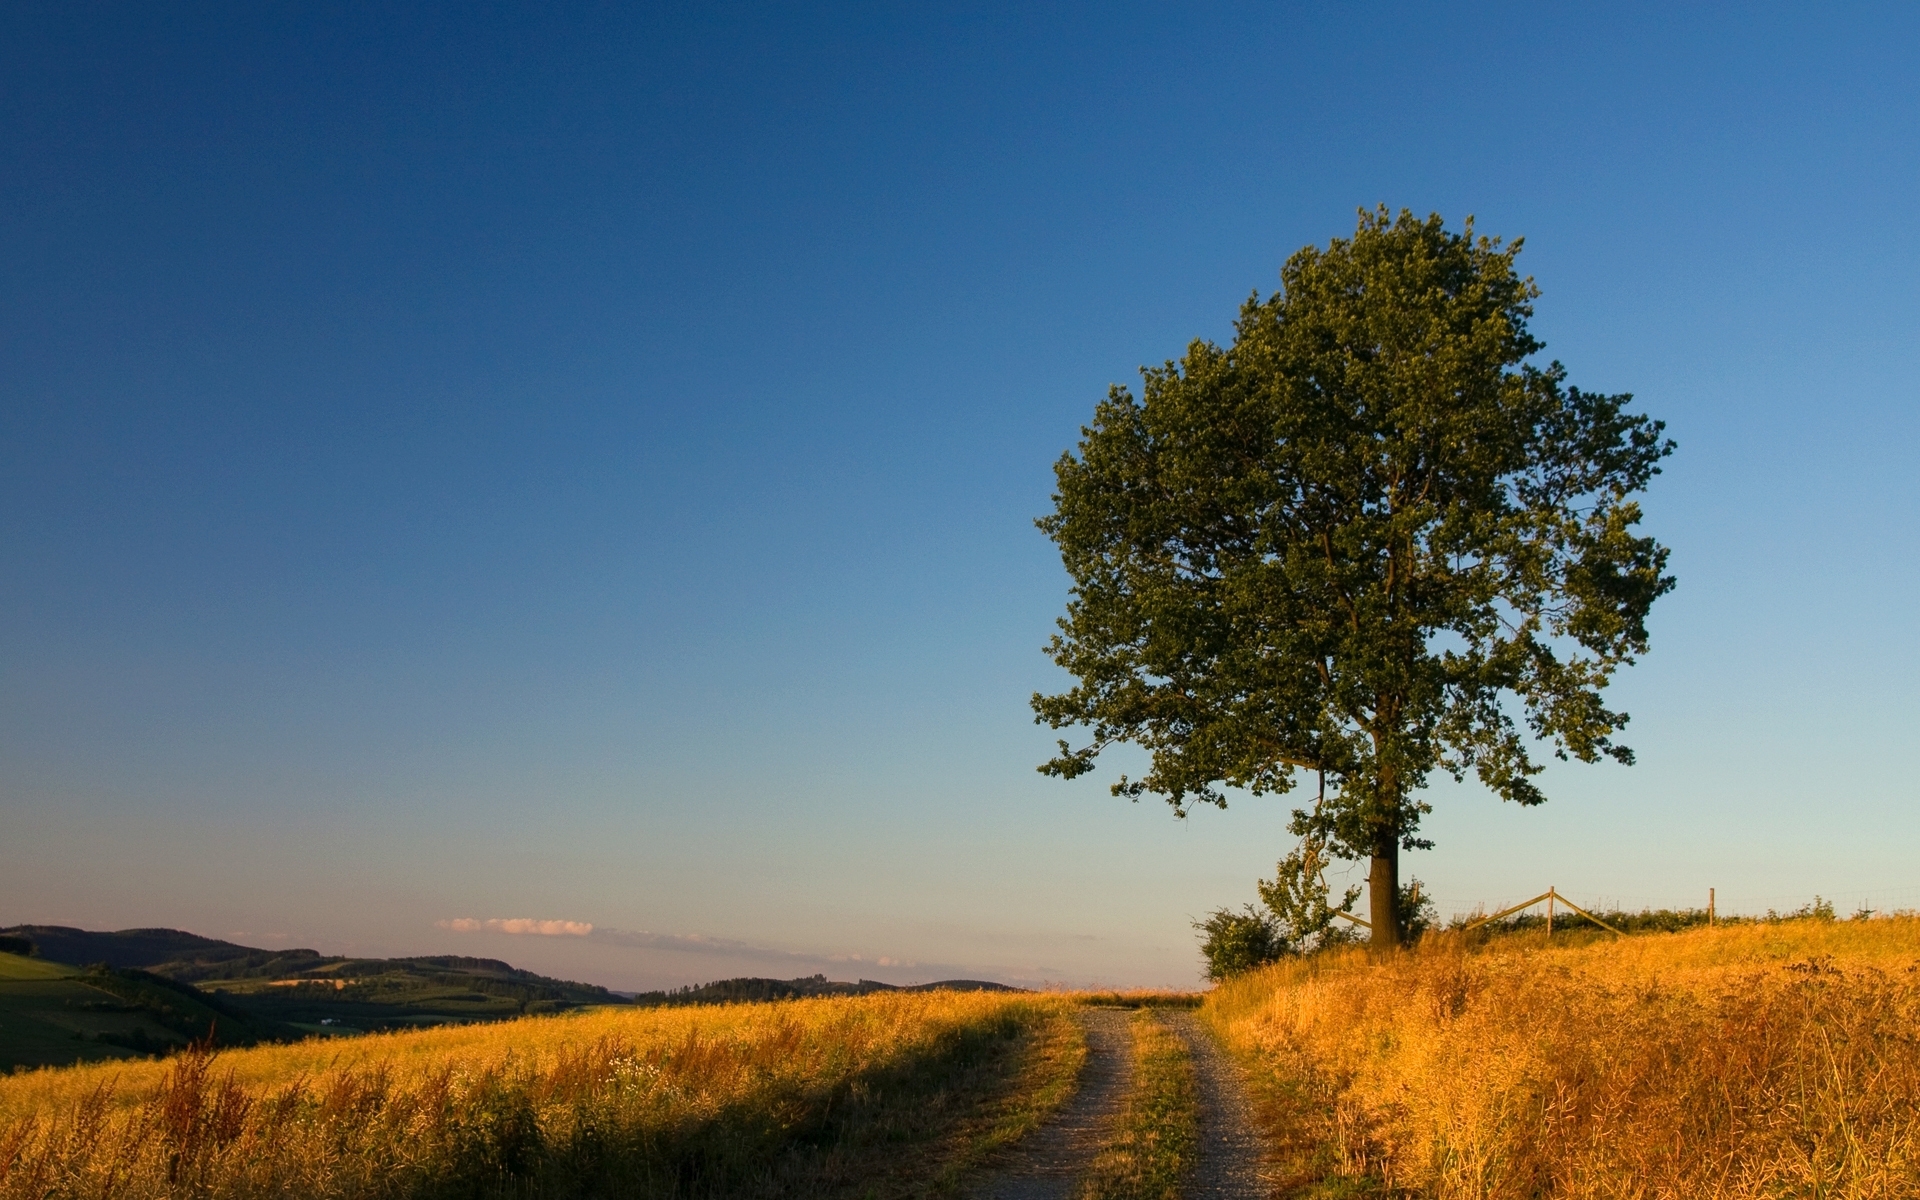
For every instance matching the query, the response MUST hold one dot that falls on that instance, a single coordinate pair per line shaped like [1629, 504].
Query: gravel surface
[1232, 1153]
[1048, 1165]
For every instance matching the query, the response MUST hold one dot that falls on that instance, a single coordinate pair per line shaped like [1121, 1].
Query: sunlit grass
[1752, 1061]
[813, 1097]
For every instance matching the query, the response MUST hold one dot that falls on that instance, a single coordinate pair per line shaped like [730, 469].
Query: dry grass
[806, 1098]
[1155, 1140]
[1140, 998]
[1755, 1061]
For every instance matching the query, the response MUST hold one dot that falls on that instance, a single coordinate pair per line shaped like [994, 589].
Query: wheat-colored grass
[1762, 1060]
[795, 1098]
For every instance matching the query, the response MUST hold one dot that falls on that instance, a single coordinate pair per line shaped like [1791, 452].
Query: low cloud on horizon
[518, 925]
[702, 944]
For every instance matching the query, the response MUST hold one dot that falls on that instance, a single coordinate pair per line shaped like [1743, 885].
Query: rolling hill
[81, 994]
[53, 1013]
[86, 994]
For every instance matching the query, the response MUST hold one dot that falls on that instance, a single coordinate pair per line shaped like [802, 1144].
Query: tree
[1370, 539]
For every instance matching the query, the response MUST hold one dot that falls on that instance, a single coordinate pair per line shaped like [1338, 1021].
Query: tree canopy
[1369, 539]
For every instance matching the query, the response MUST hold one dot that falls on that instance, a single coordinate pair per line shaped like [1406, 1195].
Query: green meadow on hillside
[255, 994]
[53, 1013]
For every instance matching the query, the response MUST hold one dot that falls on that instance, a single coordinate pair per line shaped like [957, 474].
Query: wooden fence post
[1550, 896]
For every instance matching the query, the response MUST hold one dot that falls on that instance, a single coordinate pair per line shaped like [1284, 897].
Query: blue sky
[512, 463]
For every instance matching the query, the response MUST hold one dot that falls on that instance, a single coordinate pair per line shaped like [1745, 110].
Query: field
[1769, 1059]
[881, 1095]
[52, 1014]
[1760, 1060]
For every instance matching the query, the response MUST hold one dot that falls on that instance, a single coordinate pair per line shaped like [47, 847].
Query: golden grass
[1140, 998]
[1155, 1140]
[1754, 1061]
[812, 1097]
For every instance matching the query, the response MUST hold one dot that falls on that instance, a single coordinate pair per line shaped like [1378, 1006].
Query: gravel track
[1233, 1155]
[1048, 1165]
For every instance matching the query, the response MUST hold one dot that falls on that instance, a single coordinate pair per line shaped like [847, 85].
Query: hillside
[259, 994]
[1771, 1058]
[183, 983]
[52, 1014]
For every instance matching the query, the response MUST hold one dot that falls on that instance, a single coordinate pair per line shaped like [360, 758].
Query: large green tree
[1370, 539]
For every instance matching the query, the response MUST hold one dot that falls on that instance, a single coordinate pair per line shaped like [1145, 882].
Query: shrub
[1237, 942]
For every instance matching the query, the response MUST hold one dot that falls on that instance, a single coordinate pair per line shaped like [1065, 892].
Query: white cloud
[519, 925]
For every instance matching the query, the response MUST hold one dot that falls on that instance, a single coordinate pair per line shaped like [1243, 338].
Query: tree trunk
[1383, 890]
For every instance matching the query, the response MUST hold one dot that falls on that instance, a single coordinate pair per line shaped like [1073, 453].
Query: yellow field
[795, 1098]
[1760, 1060]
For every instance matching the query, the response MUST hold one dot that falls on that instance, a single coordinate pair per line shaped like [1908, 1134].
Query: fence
[1550, 896]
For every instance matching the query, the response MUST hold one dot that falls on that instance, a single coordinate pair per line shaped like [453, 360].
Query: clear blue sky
[503, 462]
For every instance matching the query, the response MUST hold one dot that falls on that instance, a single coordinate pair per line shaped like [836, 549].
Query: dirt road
[1051, 1165]
[1232, 1153]
[1048, 1166]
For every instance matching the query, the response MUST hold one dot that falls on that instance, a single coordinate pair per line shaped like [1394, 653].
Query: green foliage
[182, 1009]
[1817, 909]
[1416, 912]
[1648, 920]
[1236, 942]
[52, 1015]
[1346, 542]
[752, 989]
[1300, 900]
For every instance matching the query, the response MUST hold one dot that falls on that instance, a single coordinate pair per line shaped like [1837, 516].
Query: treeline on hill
[180, 1008]
[53, 1013]
[747, 990]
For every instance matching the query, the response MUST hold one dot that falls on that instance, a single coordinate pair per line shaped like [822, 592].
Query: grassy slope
[52, 1014]
[343, 994]
[1756, 1060]
[880, 1096]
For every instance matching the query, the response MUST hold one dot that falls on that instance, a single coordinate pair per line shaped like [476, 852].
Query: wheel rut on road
[1233, 1154]
[1049, 1165]
[1233, 1159]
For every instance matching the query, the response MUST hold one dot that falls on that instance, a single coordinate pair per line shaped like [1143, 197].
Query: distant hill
[303, 992]
[186, 953]
[745, 990]
[71, 994]
[52, 1014]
